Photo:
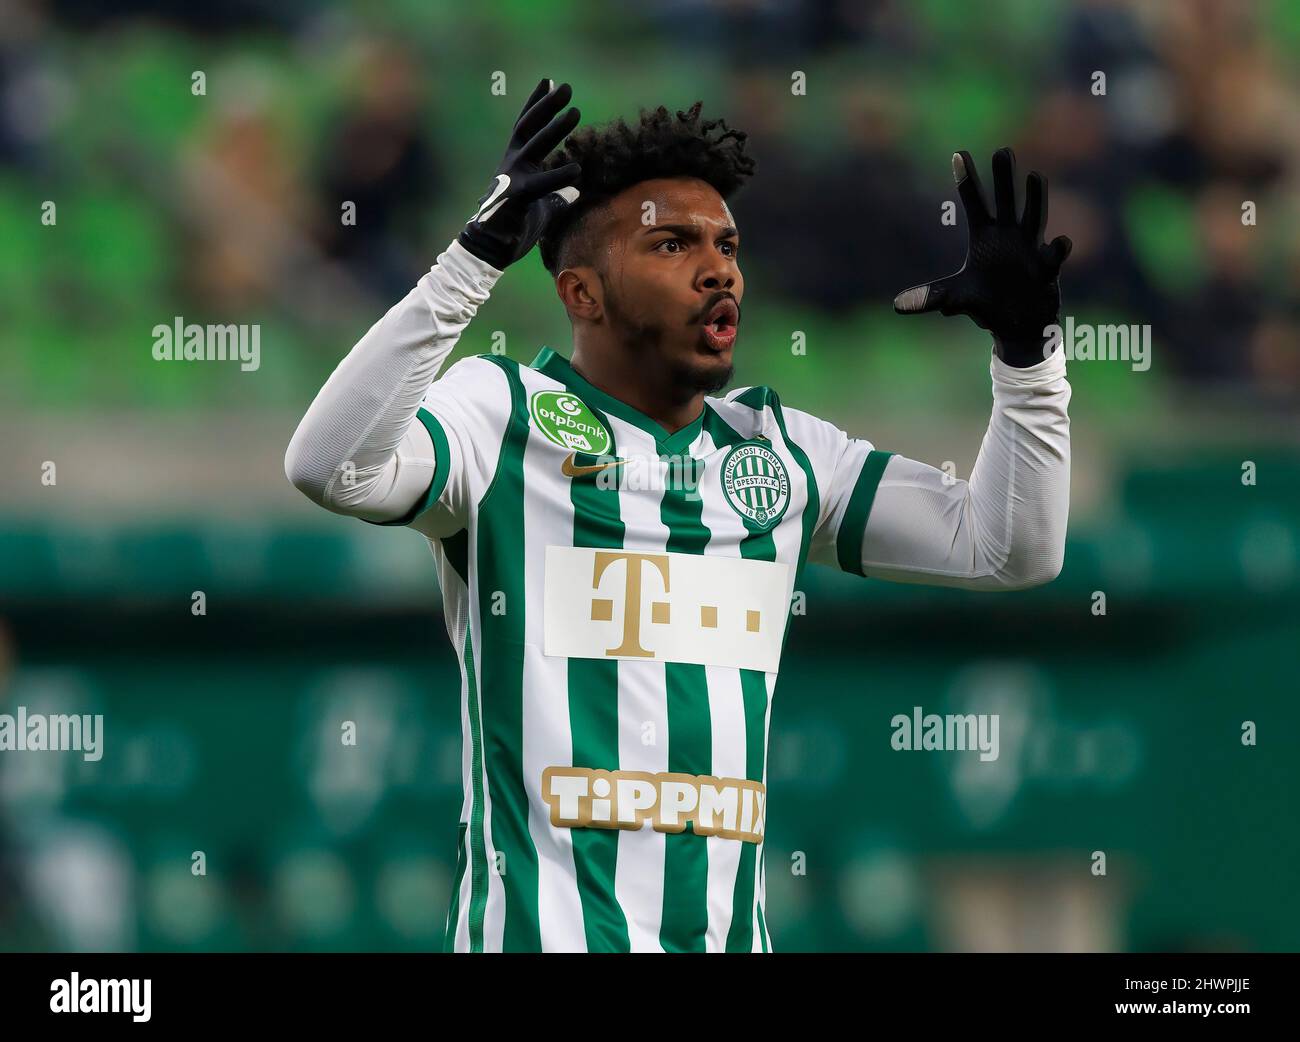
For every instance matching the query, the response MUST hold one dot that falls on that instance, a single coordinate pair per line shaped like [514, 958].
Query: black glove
[522, 198]
[1008, 284]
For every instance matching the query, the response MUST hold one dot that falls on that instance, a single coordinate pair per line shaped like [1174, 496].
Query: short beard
[642, 337]
[708, 381]
[645, 339]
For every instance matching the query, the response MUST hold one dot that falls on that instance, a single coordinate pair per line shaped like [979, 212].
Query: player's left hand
[1009, 282]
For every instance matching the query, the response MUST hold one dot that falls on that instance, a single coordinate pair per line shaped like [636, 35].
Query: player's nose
[716, 277]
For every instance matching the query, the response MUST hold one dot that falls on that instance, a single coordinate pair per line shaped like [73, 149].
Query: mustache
[713, 300]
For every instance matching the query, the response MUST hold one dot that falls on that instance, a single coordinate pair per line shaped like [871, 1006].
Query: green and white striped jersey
[618, 597]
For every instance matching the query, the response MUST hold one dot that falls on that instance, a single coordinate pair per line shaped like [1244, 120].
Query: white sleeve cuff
[463, 264]
[1040, 374]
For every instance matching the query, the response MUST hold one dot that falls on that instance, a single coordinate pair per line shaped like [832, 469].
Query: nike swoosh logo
[572, 470]
[490, 204]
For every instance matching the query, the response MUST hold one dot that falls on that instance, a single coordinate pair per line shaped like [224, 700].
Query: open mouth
[720, 324]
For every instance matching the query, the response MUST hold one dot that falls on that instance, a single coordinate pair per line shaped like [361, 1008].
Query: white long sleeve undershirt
[359, 450]
[1004, 528]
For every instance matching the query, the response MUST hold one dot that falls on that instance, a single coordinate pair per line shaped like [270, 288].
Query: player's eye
[728, 248]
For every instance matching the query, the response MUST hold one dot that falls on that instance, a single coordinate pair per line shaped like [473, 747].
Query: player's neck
[626, 379]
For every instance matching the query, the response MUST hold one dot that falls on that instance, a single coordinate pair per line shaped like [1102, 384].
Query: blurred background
[1120, 732]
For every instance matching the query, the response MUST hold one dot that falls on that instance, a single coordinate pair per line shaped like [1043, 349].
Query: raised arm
[1005, 527]
[359, 450]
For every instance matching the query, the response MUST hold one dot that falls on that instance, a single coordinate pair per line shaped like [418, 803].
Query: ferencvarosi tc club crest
[756, 483]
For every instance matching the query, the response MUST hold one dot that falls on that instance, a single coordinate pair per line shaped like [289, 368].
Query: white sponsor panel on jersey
[665, 607]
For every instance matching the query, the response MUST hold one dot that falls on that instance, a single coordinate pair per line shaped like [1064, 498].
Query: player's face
[672, 281]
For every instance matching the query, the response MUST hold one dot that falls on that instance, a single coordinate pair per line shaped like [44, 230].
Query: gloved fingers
[930, 297]
[544, 142]
[1004, 185]
[553, 181]
[1035, 219]
[968, 187]
[539, 92]
[538, 113]
[1055, 252]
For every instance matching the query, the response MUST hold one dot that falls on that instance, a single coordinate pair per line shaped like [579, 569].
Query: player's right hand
[522, 198]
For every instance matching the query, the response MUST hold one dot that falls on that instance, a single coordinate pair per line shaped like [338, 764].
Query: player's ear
[579, 290]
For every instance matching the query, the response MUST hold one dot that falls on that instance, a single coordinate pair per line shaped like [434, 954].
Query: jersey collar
[557, 367]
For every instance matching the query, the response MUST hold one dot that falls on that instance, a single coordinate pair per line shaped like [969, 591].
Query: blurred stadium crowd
[227, 205]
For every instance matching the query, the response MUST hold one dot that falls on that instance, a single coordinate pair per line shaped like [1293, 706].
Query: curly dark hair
[616, 156]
